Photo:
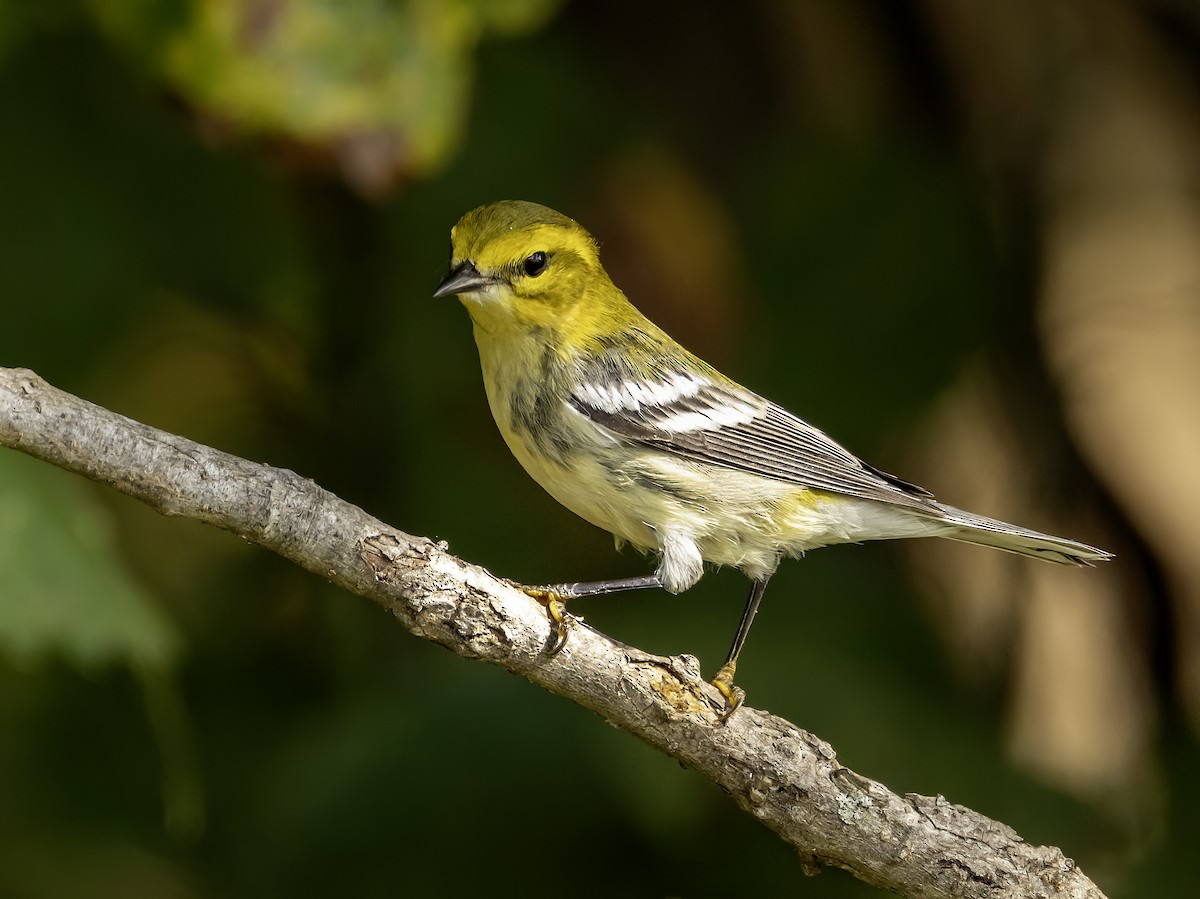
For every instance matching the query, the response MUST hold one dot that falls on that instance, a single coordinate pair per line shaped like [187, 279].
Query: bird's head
[515, 263]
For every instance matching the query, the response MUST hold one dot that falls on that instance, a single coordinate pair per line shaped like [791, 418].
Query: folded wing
[699, 414]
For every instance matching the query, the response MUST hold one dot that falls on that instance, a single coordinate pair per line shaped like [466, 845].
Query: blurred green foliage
[382, 86]
[176, 243]
[65, 591]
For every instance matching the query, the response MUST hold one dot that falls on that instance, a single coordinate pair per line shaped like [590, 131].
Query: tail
[983, 531]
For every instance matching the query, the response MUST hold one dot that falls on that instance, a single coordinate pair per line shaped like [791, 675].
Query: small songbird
[629, 430]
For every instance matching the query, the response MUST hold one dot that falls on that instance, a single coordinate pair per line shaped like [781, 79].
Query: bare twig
[790, 780]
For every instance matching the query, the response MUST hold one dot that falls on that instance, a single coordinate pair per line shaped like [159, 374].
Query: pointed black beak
[463, 278]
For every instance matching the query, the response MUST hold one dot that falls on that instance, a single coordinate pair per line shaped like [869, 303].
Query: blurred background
[962, 237]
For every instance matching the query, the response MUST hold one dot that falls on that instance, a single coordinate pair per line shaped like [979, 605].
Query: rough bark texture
[790, 780]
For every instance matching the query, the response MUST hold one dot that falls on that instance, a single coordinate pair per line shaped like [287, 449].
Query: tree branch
[790, 780]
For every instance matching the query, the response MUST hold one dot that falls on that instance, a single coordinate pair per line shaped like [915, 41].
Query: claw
[557, 612]
[555, 608]
[734, 695]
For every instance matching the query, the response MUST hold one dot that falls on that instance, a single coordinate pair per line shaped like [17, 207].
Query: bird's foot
[556, 609]
[734, 695]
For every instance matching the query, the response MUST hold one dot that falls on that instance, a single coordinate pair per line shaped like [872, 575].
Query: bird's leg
[555, 596]
[723, 680]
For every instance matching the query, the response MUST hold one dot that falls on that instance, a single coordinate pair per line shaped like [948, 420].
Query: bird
[638, 436]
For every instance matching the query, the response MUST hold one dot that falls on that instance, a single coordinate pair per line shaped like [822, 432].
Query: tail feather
[981, 531]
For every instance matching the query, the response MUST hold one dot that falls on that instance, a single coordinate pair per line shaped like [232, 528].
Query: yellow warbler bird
[629, 430]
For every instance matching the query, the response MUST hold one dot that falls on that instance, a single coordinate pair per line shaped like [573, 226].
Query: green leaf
[63, 587]
[381, 88]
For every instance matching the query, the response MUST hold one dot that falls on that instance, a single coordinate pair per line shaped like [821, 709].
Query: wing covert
[705, 417]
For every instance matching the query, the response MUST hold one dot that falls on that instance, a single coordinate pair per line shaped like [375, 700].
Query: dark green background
[239, 728]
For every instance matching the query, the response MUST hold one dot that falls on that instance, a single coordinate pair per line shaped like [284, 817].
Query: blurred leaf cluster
[226, 219]
[378, 89]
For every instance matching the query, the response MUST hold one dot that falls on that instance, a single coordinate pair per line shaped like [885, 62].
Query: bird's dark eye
[536, 263]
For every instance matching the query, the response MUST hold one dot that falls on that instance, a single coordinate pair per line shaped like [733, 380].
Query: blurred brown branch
[790, 780]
